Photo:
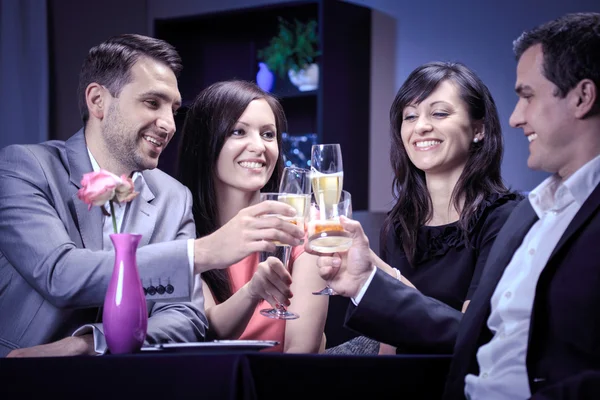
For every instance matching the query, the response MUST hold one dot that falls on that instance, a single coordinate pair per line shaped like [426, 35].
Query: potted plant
[293, 52]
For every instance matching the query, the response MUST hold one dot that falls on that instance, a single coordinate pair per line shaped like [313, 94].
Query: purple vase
[125, 315]
[264, 77]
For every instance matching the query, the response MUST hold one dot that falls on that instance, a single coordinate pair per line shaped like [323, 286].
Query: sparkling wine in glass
[283, 253]
[325, 232]
[327, 173]
[294, 189]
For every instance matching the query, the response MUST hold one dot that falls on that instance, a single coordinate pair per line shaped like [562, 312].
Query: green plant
[294, 47]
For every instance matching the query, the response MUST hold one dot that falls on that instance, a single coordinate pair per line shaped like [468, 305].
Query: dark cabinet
[223, 46]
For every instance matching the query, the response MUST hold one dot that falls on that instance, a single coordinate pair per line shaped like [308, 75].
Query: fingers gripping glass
[282, 253]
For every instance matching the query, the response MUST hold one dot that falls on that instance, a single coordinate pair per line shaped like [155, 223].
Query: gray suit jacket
[53, 271]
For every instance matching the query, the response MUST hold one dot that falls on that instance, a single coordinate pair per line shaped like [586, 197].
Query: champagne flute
[282, 253]
[294, 189]
[327, 172]
[325, 233]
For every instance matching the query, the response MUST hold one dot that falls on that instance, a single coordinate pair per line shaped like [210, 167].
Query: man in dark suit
[532, 327]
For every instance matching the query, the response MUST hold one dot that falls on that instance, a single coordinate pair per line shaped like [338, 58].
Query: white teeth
[428, 143]
[532, 137]
[248, 164]
[152, 140]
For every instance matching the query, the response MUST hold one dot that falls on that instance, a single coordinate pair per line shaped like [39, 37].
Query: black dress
[448, 267]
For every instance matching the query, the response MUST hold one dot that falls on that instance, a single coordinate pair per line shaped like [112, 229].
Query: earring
[475, 140]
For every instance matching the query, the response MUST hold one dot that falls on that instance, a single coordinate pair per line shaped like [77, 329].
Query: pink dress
[260, 327]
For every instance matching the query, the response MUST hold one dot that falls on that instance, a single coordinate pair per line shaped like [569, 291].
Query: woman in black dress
[450, 200]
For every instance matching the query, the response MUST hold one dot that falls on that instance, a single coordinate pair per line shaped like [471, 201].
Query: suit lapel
[506, 244]
[539, 307]
[141, 214]
[89, 221]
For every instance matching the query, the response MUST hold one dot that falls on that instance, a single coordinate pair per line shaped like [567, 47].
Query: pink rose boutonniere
[99, 187]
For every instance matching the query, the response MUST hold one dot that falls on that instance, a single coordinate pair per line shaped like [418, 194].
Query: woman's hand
[253, 229]
[271, 282]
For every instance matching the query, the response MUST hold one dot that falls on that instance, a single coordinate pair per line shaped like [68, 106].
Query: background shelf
[223, 46]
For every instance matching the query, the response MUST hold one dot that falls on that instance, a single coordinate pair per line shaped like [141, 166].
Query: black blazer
[563, 353]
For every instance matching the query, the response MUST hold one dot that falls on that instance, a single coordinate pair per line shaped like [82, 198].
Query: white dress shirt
[99, 341]
[363, 289]
[502, 368]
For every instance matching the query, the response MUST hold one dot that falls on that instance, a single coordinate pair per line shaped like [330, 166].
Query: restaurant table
[231, 376]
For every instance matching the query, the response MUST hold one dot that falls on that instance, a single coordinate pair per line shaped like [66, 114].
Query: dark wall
[76, 26]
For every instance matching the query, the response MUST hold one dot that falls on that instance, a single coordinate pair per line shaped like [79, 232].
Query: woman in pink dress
[230, 152]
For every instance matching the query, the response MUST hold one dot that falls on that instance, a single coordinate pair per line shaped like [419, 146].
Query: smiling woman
[231, 151]
[451, 201]
[446, 154]
[251, 152]
[438, 132]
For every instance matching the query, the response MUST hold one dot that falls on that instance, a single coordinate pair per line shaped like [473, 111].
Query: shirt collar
[583, 182]
[96, 168]
[554, 195]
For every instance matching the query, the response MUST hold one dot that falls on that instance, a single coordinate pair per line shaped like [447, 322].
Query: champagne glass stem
[326, 291]
[279, 311]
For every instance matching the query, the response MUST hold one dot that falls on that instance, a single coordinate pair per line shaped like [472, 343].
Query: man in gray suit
[55, 257]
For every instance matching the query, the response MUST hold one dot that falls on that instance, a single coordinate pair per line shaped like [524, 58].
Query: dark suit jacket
[564, 338]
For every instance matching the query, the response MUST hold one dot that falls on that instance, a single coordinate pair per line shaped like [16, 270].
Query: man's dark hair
[571, 48]
[109, 63]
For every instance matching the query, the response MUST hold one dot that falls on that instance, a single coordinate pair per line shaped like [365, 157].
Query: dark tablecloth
[244, 375]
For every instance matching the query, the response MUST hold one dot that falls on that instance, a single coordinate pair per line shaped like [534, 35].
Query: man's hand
[70, 346]
[347, 272]
[253, 229]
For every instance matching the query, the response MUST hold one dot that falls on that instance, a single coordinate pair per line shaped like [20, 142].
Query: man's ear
[583, 98]
[95, 98]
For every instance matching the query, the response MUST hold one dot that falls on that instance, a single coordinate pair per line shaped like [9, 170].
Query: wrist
[363, 283]
[247, 290]
[362, 280]
[204, 258]
[83, 344]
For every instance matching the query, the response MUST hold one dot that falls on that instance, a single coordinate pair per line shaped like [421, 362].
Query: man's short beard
[122, 146]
